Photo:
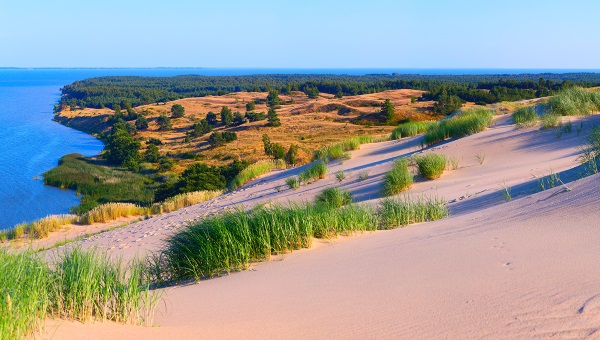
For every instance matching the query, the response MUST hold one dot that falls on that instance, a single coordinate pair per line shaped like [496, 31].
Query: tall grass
[550, 120]
[411, 129]
[465, 123]
[38, 229]
[184, 200]
[431, 165]
[231, 241]
[255, 170]
[525, 116]
[398, 179]
[334, 197]
[591, 152]
[403, 211]
[314, 172]
[338, 150]
[110, 212]
[79, 285]
[575, 101]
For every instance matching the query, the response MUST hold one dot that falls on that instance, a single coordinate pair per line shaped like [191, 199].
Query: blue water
[31, 143]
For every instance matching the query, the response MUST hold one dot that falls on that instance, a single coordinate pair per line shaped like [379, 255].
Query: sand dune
[524, 268]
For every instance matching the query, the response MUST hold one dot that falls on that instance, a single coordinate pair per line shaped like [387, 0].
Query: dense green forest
[450, 91]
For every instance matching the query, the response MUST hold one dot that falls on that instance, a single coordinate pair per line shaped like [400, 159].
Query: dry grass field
[310, 123]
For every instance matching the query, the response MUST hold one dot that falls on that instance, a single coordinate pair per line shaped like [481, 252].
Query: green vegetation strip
[231, 241]
[255, 170]
[464, 123]
[411, 129]
[575, 101]
[79, 285]
[338, 150]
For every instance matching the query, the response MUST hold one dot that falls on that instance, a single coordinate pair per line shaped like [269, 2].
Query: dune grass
[525, 117]
[184, 200]
[575, 101]
[411, 129]
[38, 229]
[255, 170]
[79, 285]
[465, 123]
[338, 150]
[591, 152]
[334, 197]
[293, 182]
[232, 240]
[550, 120]
[431, 165]
[398, 179]
[395, 212]
[314, 172]
[111, 211]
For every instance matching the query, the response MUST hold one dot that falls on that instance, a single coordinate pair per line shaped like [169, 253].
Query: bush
[334, 198]
[525, 116]
[432, 165]
[411, 129]
[255, 116]
[463, 124]
[177, 111]
[164, 123]
[398, 179]
[313, 172]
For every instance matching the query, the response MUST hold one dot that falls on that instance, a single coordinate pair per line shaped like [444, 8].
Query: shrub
[398, 179]
[411, 129]
[334, 197]
[462, 124]
[363, 176]
[255, 170]
[313, 172]
[431, 165]
[525, 116]
[110, 212]
[550, 120]
[177, 111]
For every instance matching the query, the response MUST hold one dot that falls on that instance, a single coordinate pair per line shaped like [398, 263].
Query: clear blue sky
[301, 34]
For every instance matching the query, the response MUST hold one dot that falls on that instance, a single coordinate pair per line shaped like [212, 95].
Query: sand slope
[524, 268]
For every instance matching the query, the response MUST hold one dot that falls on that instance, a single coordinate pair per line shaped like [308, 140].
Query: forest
[450, 91]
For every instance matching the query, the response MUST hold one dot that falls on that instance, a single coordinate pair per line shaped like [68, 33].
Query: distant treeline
[448, 90]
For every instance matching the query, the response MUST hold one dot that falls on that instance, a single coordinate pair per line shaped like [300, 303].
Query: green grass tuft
[338, 150]
[525, 117]
[431, 165]
[398, 179]
[403, 211]
[334, 198]
[550, 120]
[314, 172]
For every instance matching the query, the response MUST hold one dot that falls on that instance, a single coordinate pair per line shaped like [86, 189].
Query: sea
[31, 143]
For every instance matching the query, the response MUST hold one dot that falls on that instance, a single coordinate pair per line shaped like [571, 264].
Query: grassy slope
[98, 183]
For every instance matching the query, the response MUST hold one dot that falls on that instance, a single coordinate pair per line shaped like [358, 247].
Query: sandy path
[512, 158]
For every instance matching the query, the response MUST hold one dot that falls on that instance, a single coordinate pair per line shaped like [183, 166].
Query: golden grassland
[310, 123]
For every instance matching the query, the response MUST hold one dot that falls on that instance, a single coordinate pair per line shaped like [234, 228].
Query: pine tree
[273, 118]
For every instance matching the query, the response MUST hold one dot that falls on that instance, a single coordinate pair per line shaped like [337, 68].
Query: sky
[301, 34]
